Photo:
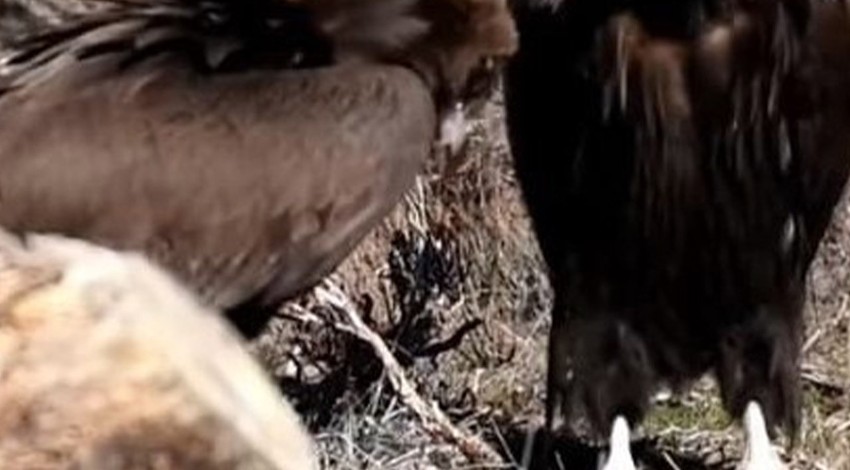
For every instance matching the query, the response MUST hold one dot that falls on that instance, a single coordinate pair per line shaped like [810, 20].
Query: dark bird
[681, 160]
[247, 145]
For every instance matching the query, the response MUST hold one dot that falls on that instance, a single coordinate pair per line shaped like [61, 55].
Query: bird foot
[620, 456]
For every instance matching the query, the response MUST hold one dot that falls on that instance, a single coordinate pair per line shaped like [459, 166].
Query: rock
[107, 363]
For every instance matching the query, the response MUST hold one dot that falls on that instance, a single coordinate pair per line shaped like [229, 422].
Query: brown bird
[681, 160]
[247, 145]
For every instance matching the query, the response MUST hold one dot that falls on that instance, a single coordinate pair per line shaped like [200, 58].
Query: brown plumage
[681, 160]
[246, 145]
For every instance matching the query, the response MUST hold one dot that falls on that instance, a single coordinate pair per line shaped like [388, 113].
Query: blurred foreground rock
[106, 363]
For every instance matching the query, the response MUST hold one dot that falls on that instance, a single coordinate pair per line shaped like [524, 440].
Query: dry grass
[457, 257]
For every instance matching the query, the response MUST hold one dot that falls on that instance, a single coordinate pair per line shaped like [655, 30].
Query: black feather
[681, 160]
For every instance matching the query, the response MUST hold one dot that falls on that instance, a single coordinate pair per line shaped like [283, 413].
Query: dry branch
[432, 417]
[106, 363]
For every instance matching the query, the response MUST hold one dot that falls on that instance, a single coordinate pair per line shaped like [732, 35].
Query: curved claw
[759, 454]
[620, 457]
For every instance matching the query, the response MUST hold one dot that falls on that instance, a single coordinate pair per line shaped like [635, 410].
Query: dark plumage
[248, 145]
[681, 160]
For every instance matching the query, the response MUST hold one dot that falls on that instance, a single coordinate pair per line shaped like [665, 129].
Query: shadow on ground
[574, 454]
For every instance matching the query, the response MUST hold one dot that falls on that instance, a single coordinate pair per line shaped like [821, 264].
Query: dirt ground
[454, 284]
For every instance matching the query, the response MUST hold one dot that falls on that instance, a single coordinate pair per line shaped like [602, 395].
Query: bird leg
[557, 382]
[558, 373]
[620, 455]
[759, 454]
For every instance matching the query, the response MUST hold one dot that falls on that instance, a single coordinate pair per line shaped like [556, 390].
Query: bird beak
[451, 154]
[453, 129]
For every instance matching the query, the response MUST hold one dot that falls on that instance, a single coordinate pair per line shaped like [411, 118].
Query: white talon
[759, 454]
[620, 457]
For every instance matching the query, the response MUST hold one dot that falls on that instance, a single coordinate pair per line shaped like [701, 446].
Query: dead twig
[433, 419]
[821, 382]
[439, 347]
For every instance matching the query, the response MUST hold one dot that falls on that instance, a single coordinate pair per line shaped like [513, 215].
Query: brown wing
[246, 144]
[241, 183]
